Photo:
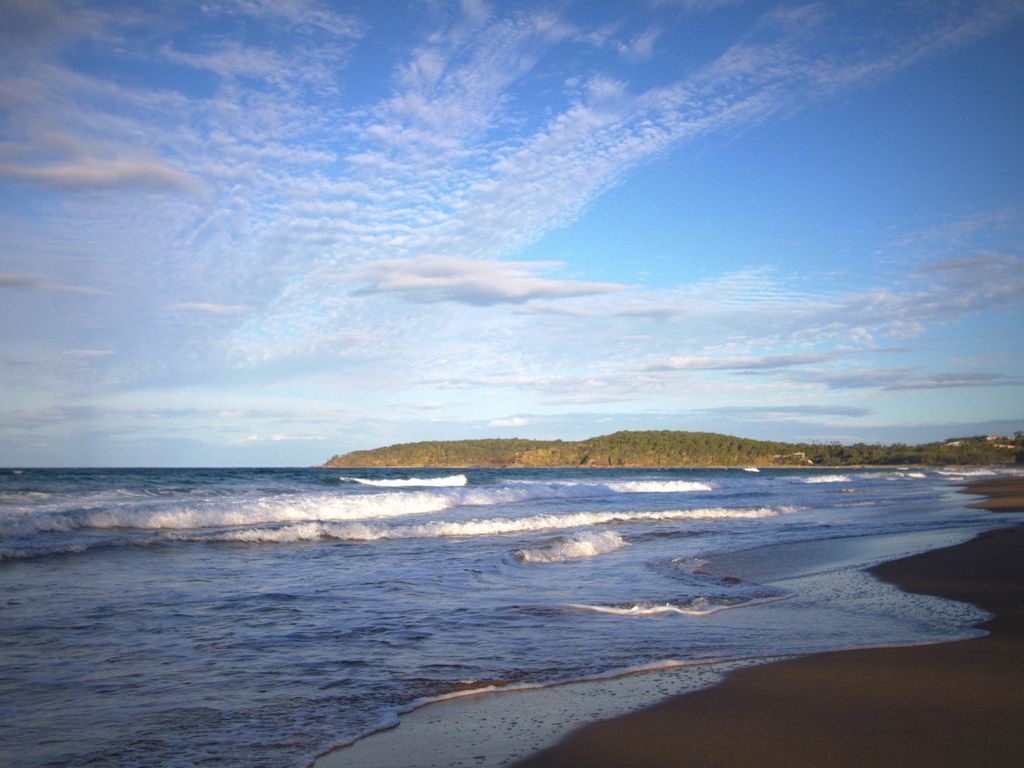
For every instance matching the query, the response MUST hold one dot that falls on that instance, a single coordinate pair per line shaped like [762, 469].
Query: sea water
[257, 617]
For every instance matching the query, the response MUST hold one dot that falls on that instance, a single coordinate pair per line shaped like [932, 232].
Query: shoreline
[949, 704]
[544, 726]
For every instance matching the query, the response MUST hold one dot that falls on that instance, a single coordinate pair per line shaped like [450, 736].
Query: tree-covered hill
[678, 449]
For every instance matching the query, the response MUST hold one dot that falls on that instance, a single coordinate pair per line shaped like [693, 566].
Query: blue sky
[247, 232]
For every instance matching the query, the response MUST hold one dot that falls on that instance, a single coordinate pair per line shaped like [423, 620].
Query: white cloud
[641, 47]
[441, 168]
[88, 354]
[743, 363]
[281, 437]
[515, 421]
[71, 362]
[699, 5]
[232, 60]
[97, 173]
[480, 283]
[308, 14]
[210, 309]
[36, 282]
[897, 379]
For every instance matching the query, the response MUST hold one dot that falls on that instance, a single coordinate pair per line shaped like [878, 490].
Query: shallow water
[256, 617]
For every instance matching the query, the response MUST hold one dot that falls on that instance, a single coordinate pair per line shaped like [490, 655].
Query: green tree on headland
[679, 449]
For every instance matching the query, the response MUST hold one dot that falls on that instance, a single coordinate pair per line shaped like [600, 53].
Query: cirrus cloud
[469, 281]
[208, 308]
[95, 173]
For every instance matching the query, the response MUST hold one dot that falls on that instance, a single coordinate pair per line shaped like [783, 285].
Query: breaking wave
[451, 481]
[586, 544]
[572, 489]
[237, 513]
[359, 531]
[38, 513]
[827, 479]
[659, 486]
[491, 526]
[699, 606]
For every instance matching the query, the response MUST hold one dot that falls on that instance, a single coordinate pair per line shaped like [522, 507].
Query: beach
[487, 613]
[951, 704]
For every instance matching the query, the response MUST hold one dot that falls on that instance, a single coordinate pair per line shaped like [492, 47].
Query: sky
[262, 232]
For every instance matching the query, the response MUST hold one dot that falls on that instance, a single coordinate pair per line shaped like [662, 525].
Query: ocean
[256, 617]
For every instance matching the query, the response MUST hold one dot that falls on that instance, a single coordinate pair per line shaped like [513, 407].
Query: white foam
[369, 531]
[278, 509]
[25, 554]
[659, 486]
[526, 490]
[286, 534]
[451, 481]
[751, 469]
[691, 565]
[950, 472]
[699, 606]
[174, 526]
[30, 515]
[306, 517]
[827, 479]
[516, 492]
[585, 544]
[904, 475]
[612, 674]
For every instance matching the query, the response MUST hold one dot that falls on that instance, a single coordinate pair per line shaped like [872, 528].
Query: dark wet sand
[954, 704]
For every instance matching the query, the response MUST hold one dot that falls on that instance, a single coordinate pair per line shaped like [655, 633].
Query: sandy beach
[952, 704]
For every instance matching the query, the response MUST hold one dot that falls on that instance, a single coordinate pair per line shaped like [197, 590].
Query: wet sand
[954, 704]
[1005, 494]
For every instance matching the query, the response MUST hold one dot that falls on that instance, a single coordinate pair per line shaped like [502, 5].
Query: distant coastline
[679, 449]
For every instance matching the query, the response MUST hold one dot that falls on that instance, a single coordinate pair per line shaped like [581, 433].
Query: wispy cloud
[347, 227]
[97, 173]
[784, 412]
[481, 283]
[743, 363]
[36, 282]
[280, 437]
[698, 5]
[209, 308]
[641, 46]
[513, 421]
[295, 14]
[61, 364]
[446, 166]
[88, 354]
[639, 310]
[941, 293]
[233, 60]
[955, 380]
[904, 378]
